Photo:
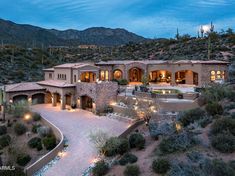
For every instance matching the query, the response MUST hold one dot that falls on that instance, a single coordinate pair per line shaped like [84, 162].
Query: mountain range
[27, 36]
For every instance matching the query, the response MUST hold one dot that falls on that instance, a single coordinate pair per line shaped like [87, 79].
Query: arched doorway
[135, 74]
[68, 99]
[160, 76]
[88, 77]
[86, 103]
[117, 74]
[38, 98]
[48, 97]
[186, 77]
[19, 98]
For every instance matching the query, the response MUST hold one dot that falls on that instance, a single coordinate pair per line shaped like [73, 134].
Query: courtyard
[76, 127]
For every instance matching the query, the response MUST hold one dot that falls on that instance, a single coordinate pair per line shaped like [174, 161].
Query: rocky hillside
[28, 36]
[20, 64]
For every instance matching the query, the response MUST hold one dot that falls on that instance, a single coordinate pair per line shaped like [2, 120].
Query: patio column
[54, 99]
[173, 83]
[63, 101]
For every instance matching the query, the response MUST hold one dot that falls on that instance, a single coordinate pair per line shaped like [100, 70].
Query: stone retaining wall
[30, 170]
[131, 128]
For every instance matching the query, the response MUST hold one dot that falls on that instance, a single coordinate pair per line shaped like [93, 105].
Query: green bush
[35, 142]
[35, 128]
[128, 158]
[3, 130]
[49, 142]
[101, 168]
[214, 109]
[20, 128]
[36, 117]
[222, 125]
[224, 142]
[137, 140]
[191, 116]
[23, 159]
[132, 170]
[114, 146]
[160, 166]
[122, 82]
[4, 141]
[178, 142]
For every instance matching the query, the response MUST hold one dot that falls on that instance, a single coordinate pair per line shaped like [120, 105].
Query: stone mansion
[91, 86]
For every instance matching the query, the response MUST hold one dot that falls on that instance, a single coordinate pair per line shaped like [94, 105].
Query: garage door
[20, 98]
[38, 99]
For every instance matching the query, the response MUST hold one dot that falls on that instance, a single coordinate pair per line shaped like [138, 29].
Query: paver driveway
[76, 127]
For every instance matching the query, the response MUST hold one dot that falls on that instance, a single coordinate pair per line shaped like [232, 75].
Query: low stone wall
[131, 128]
[124, 111]
[30, 170]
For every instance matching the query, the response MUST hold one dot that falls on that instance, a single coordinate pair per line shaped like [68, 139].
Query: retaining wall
[30, 170]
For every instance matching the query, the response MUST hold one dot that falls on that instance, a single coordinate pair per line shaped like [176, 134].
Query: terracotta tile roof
[48, 69]
[28, 86]
[55, 83]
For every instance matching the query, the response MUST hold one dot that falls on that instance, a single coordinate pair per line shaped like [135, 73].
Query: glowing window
[212, 75]
[117, 74]
[106, 75]
[102, 75]
[218, 74]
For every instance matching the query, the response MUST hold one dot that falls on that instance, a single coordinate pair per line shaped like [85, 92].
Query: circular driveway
[76, 127]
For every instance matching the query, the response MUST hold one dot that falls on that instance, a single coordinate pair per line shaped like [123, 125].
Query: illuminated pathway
[76, 126]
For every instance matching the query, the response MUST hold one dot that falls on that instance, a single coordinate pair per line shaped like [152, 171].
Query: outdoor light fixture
[27, 117]
[11, 101]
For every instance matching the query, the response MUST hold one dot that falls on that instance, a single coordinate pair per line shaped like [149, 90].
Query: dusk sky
[149, 18]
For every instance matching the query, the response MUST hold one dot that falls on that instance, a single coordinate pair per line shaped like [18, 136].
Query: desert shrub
[23, 159]
[98, 137]
[122, 82]
[132, 170]
[204, 122]
[101, 168]
[223, 125]
[232, 164]
[160, 166]
[177, 142]
[49, 142]
[163, 129]
[3, 130]
[44, 131]
[137, 140]
[217, 168]
[4, 141]
[195, 156]
[20, 108]
[36, 117]
[224, 142]
[108, 109]
[115, 145]
[35, 142]
[35, 128]
[191, 116]
[214, 109]
[181, 169]
[229, 106]
[20, 128]
[128, 158]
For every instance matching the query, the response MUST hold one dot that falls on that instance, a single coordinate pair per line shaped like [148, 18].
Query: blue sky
[149, 18]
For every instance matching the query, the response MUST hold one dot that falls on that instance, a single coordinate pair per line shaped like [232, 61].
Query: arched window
[212, 75]
[117, 74]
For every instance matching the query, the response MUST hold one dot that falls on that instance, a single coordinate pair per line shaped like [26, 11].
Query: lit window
[102, 75]
[117, 74]
[106, 75]
[218, 74]
[212, 75]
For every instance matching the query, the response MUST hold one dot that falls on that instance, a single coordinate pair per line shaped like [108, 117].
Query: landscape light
[27, 117]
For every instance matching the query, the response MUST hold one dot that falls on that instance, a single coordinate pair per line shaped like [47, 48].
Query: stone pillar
[63, 102]
[54, 99]
[173, 83]
[30, 100]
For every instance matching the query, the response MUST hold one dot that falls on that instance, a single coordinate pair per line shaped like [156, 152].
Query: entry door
[195, 78]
